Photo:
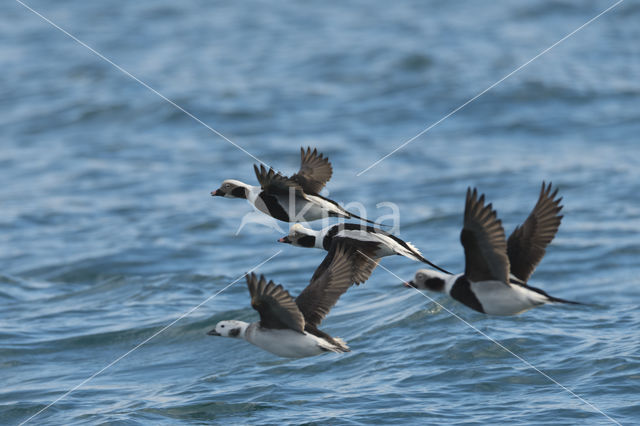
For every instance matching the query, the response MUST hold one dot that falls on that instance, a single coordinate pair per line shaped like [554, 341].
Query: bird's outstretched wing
[528, 242]
[364, 259]
[315, 171]
[275, 183]
[331, 279]
[485, 247]
[275, 305]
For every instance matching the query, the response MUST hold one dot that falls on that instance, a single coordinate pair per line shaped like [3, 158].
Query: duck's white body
[495, 297]
[287, 343]
[283, 342]
[500, 299]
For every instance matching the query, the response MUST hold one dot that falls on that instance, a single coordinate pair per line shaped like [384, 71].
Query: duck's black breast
[328, 238]
[461, 291]
[275, 209]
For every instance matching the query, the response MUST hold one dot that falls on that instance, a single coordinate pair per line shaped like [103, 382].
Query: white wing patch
[324, 204]
[388, 246]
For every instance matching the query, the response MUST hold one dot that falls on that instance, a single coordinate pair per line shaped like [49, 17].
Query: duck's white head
[428, 279]
[300, 236]
[230, 328]
[232, 188]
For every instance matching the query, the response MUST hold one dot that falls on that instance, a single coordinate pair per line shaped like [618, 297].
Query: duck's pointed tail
[336, 345]
[553, 299]
[353, 216]
[412, 252]
[433, 265]
[341, 345]
[558, 300]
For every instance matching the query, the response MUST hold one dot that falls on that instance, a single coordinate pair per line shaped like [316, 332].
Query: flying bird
[497, 270]
[370, 242]
[288, 327]
[290, 199]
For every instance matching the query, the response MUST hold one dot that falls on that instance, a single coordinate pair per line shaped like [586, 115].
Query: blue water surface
[108, 233]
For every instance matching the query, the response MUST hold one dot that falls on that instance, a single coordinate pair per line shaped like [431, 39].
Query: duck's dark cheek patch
[235, 332]
[239, 192]
[308, 241]
[434, 284]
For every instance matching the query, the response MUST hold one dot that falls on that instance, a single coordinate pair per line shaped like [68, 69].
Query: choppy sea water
[108, 232]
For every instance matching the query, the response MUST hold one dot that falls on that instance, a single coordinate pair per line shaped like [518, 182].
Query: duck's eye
[420, 276]
[222, 326]
[226, 185]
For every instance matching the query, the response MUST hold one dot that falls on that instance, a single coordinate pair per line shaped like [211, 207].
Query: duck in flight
[497, 270]
[370, 242]
[290, 199]
[288, 327]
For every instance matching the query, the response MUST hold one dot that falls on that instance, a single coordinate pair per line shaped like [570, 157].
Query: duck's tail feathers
[553, 299]
[414, 253]
[421, 258]
[353, 216]
[558, 300]
[333, 344]
[340, 345]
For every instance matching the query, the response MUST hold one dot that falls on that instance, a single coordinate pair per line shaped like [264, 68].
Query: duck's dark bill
[213, 333]
[410, 284]
[217, 192]
[284, 240]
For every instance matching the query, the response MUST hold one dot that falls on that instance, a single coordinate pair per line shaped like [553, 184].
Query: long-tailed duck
[497, 270]
[288, 327]
[290, 199]
[371, 242]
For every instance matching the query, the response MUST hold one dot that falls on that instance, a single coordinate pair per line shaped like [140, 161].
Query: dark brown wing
[363, 265]
[527, 244]
[275, 305]
[364, 260]
[315, 171]
[273, 182]
[333, 277]
[485, 247]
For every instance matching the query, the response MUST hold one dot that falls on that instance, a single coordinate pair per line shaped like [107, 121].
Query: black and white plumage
[288, 327]
[290, 199]
[496, 269]
[370, 242]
